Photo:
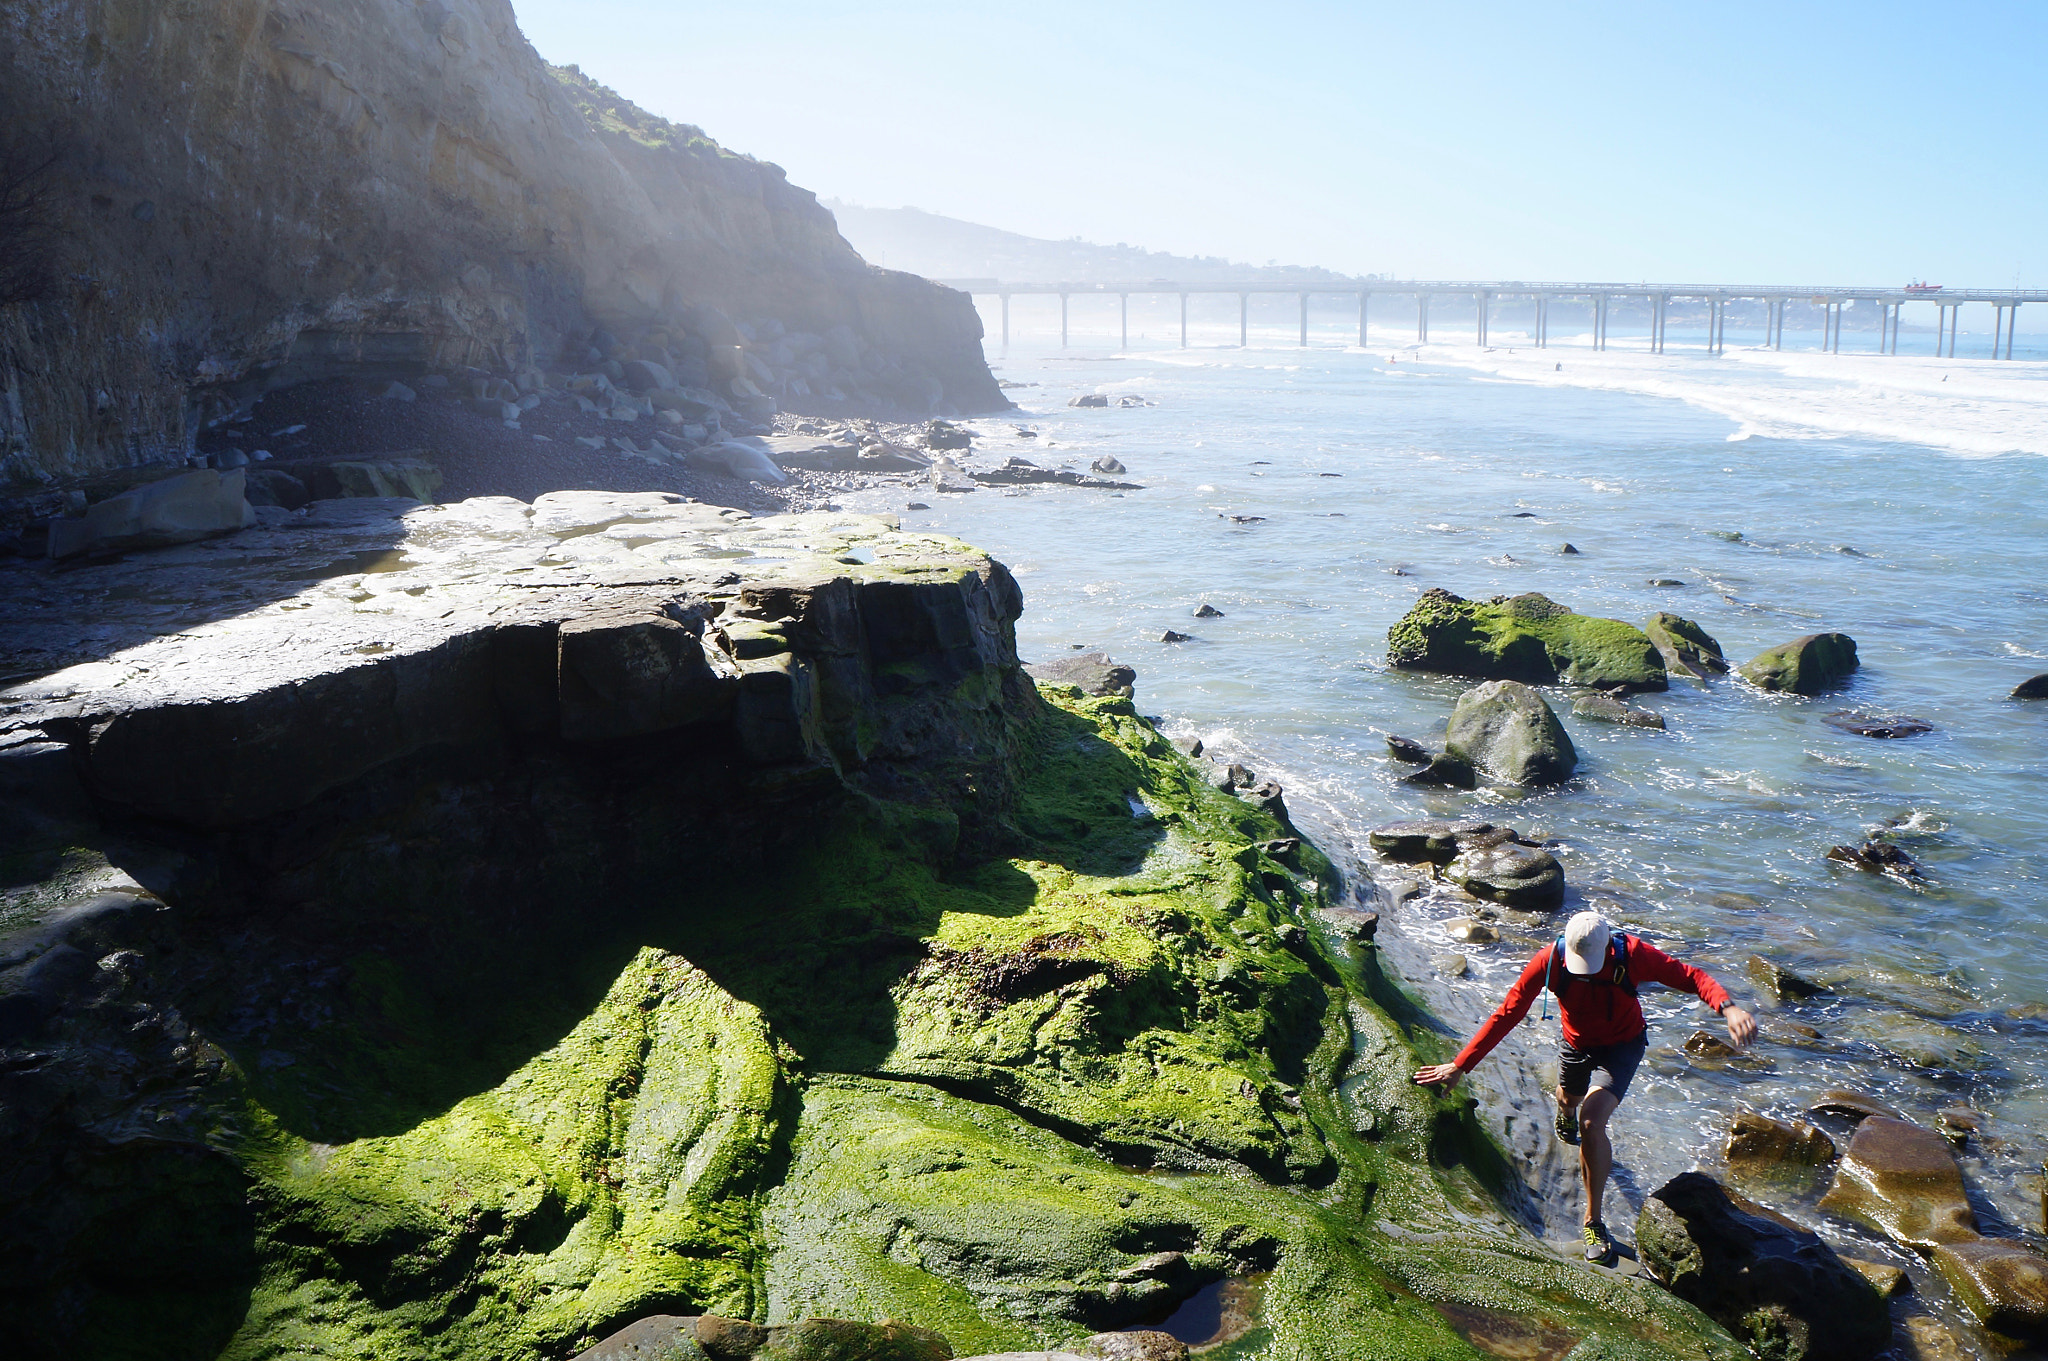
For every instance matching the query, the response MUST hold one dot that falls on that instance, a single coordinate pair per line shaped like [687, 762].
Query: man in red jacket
[1595, 971]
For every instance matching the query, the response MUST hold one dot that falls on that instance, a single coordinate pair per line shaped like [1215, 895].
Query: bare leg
[1596, 1152]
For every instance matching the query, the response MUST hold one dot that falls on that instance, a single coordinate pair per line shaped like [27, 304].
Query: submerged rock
[1207, 612]
[1775, 1285]
[1687, 649]
[1756, 1138]
[1608, 709]
[1877, 725]
[1507, 730]
[1903, 1181]
[1805, 666]
[2034, 687]
[1528, 638]
[1877, 857]
[1446, 772]
[2002, 1282]
[1780, 981]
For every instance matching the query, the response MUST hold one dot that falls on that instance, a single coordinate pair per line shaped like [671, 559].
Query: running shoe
[1599, 1246]
[1568, 1125]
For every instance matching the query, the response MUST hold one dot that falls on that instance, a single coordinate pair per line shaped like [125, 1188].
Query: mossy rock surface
[1805, 666]
[576, 1043]
[1687, 649]
[1529, 638]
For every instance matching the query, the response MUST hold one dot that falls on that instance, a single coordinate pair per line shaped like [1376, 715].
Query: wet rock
[1852, 1106]
[1704, 1046]
[1468, 932]
[662, 1337]
[1446, 772]
[1407, 749]
[1089, 399]
[2004, 1283]
[376, 479]
[1775, 1285]
[1804, 666]
[1566, 550]
[1664, 581]
[1756, 1138]
[1450, 966]
[1877, 857]
[203, 504]
[1206, 611]
[1528, 638]
[1433, 839]
[1687, 649]
[1170, 636]
[1022, 472]
[1108, 466]
[1506, 730]
[2034, 687]
[1922, 1338]
[946, 435]
[729, 1339]
[1608, 709]
[1511, 875]
[1889, 1281]
[1780, 982]
[1267, 798]
[1191, 747]
[275, 487]
[917, 505]
[1877, 725]
[951, 478]
[1903, 1181]
[1139, 1345]
[1958, 1123]
[1356, 925]
[1095, 673]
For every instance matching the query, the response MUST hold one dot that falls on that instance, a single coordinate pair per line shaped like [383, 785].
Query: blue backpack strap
[1549, 968]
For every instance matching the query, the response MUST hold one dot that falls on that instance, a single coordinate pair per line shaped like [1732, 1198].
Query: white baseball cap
[1585, 943]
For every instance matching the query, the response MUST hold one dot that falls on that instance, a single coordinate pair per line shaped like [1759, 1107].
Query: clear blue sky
[1787, 142]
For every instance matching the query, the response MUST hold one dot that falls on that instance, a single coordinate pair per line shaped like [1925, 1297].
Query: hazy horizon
[1815, 144]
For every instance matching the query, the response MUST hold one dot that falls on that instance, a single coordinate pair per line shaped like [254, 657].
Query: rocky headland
[479, 928]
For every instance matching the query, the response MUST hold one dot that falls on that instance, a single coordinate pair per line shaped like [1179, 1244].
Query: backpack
[1613, 973]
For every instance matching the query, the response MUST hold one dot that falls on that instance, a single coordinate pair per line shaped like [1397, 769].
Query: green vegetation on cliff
[975, 1080]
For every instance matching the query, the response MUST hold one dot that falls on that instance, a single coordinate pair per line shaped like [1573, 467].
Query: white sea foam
[1973, 407]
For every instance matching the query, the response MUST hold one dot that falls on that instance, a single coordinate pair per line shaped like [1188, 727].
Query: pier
[1481, 297]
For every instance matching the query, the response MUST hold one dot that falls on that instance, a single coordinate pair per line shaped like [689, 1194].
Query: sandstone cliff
[252, 192]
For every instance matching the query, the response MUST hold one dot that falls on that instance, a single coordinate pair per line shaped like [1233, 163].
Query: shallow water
[1709, 838]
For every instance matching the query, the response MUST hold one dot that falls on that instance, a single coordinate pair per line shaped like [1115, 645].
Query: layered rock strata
[272, 192]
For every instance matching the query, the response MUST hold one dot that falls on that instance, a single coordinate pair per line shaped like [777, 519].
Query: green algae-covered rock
[1509, 731]
[1774, 1284]
[1804, 666]
[1687, 649]
[1528, 638]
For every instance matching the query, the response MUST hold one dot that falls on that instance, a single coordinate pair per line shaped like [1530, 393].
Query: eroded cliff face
[250, 192]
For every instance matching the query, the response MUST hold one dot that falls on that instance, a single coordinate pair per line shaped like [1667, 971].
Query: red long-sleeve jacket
[1592, 1013]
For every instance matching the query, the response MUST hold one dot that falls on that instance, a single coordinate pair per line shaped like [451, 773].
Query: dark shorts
[1612, 1066]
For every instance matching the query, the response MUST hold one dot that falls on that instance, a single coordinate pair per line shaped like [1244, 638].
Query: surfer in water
[1595, 971]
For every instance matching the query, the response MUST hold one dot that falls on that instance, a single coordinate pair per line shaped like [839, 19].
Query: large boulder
[1903, 1181]
[1507, 730]
[1511, 875]
[2033, 687]
[1804, 666]
[1687, 649]
[2004, 1283]
[1528, 638]
[191, 506]
[1775, 1285]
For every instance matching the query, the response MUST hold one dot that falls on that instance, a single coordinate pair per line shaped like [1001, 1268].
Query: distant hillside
[947, 248]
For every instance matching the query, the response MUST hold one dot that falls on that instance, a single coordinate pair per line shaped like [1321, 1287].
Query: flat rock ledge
[230, 678]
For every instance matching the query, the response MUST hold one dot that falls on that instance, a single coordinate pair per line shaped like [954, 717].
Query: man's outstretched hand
[1741, 1025]
[1444, 1075]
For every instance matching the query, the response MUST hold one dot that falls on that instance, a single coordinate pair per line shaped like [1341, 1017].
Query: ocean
[1901, 500]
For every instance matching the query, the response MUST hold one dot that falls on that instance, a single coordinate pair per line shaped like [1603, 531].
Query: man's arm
[1648, 964]
[1505, 1017]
